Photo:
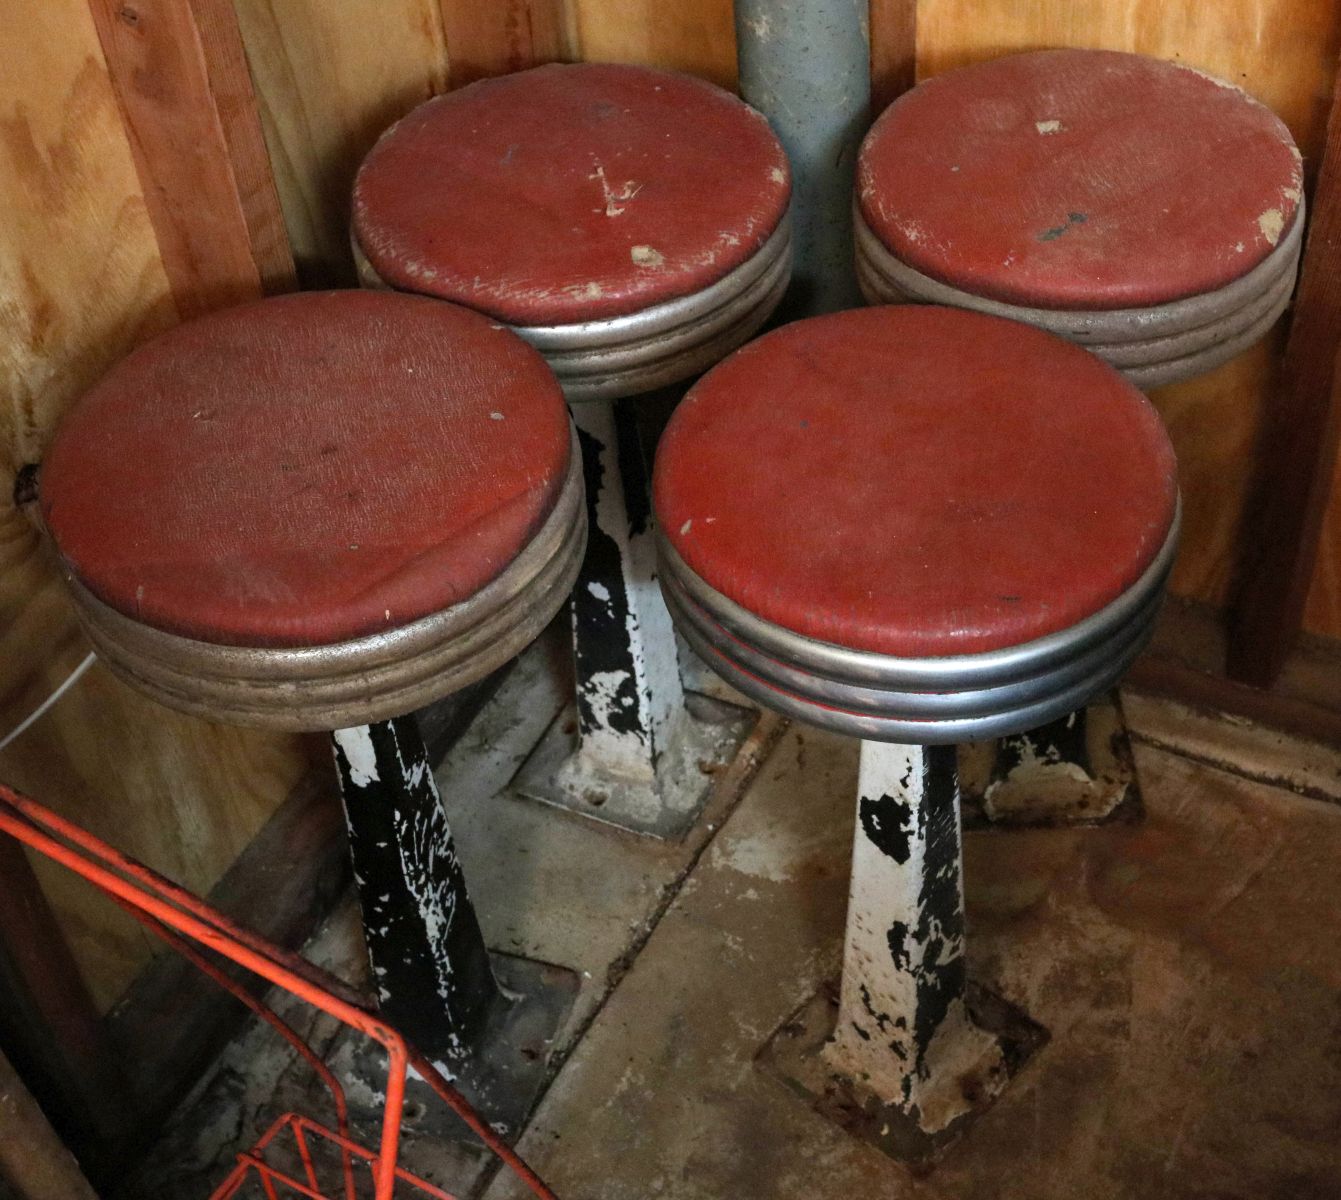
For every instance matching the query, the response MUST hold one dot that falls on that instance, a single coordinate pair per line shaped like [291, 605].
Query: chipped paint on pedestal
[628, 682]
[903, 1030]
[1074, 770]
[428, 957]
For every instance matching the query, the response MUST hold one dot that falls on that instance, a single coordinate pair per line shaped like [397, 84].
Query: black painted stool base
[505, 1075]
[487, 1019]
[795, 1055]
[706, 734]
[1077, 770]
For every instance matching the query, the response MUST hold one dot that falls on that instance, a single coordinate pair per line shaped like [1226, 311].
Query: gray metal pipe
[806, 65]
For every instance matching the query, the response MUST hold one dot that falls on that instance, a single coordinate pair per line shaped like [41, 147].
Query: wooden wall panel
[698, 36]
[32, 1158]
[1282, 51]
[1299, 446]
[49, 1026]
[1214, 422]
[176, 78]
[484, 40]
[893, 50]
[81, 281]
[1322, 613]
[1285, 53]
[329, 78]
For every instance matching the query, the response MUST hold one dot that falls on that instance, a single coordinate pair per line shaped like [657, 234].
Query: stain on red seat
[916, 481]
[570, 193]
[307, 469]
[1079, 179]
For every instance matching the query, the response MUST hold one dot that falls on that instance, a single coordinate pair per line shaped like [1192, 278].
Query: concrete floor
[1187, 969]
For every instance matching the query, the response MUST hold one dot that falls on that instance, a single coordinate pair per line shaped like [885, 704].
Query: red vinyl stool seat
[919, 525]
[1139, 207]
[630, 223]
[319, 510]
[940, 529]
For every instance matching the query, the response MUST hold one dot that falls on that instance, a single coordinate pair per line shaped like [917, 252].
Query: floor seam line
[772, 730]
[1304, 791]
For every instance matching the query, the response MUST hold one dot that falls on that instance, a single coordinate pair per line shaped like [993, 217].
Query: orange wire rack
[296, 1156]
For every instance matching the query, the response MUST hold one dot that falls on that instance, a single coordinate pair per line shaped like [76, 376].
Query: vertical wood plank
[1214, 422]
[1322, 612]
[1281, 51]
[254, 178]
[166, 84]
[893, 51]
[329, 79]
[697, 36]
[484, 40]
[1300, 448]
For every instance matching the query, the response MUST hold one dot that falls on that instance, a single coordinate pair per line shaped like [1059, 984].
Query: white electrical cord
[49, 701]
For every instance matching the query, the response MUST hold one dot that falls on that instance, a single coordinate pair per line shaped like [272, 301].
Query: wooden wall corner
[186, 98]
[484, 40]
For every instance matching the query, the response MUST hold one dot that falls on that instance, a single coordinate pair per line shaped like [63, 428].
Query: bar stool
[1140, 208]
[945, 526]
[632, 225]
[320, 512]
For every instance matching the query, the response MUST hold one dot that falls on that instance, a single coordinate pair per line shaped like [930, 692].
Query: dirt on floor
[1186, 967]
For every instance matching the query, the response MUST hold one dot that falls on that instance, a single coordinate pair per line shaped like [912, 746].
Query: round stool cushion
[570, 193]
[1079, 179]
[916, 481]
[308, 469]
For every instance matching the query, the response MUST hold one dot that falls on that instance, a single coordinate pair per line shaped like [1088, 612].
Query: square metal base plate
[794, 1054]
[1069, 773]
[703, 742]
[503, 1076]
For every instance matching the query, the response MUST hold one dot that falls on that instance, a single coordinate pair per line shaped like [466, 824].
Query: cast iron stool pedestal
[632, 225]
[884, 564]
[1140, 208]
[274, 545]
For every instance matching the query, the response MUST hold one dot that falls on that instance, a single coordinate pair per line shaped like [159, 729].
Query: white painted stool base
[644, 756]
[697, 676]
[1077, 771]
[972, 1072]
[908, 1050]
[903, 1030]
[628, 680]
[702, 741]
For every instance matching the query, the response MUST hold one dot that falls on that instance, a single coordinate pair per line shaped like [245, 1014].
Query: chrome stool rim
[361, 680]
[913, 705]
[1151, 346]
[930, 701]
[663, 343]
[961, 672]
[948, 731]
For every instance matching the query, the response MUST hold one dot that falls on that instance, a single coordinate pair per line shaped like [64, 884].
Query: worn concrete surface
[547, 885]
[1188, 969]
